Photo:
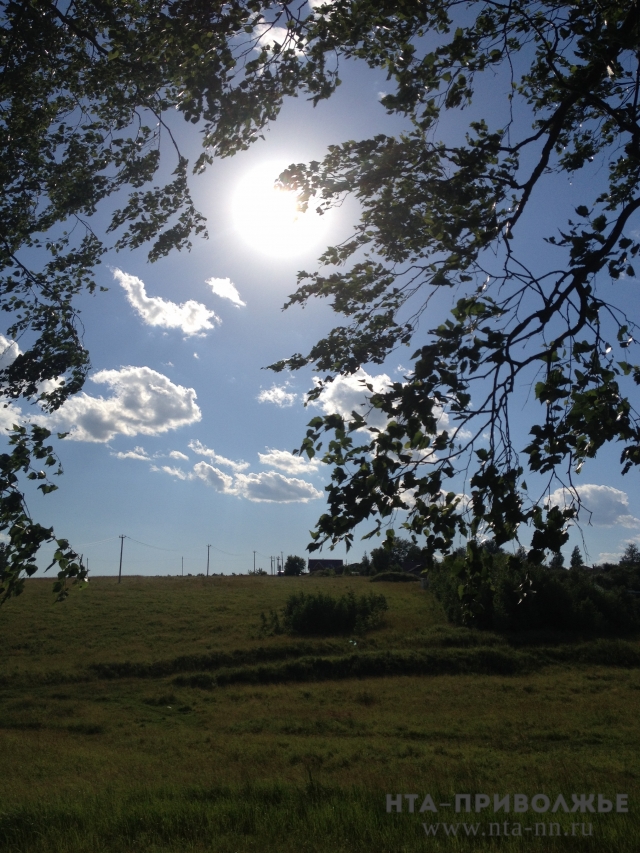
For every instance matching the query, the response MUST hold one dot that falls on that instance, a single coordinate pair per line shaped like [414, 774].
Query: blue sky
[181, 438]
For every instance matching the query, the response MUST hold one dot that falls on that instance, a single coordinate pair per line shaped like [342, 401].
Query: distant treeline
[514, 595]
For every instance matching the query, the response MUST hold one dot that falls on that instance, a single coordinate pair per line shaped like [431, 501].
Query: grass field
[153, 717]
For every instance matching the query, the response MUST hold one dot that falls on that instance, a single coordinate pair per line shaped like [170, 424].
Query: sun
[267, 218]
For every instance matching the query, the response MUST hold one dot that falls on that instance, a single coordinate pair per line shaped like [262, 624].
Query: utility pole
[282, 561]
[208, 547]
[254, 562]
[122, 538]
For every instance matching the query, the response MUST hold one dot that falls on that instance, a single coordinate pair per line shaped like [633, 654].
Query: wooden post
[122, 538]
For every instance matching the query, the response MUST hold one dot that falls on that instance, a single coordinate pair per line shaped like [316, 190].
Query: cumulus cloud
[191, 317]
[271, 487]
[10, 415]
[225, 288]
[214, 477]
[349, 393]
[266, 487]
[199, 448]
[176, 454]
[9, 351]
[608, 506]
[278, 395]
[143, 402]
[287, 462]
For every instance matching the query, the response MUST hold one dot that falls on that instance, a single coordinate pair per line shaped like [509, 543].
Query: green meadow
[154, 716]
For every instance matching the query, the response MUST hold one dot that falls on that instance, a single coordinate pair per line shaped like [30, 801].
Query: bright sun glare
[268, 219]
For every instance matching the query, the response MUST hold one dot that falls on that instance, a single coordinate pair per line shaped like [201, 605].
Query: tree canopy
[458, 206]
[458, 212]
[294, 565]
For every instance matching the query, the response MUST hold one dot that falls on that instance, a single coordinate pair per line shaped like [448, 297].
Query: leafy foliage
[520, 596]
[447, 216]
[86, 89]
[400, 556]
[294, 565]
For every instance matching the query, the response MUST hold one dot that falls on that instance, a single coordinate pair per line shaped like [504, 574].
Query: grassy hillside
[153, 716]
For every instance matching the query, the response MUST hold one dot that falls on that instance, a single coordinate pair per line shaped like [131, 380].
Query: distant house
[319, 565]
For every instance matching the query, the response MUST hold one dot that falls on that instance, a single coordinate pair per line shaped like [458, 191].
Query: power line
[155, 547]
[99, 542]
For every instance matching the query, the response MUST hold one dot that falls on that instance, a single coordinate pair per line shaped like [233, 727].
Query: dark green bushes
[397, 577]
[516, 596]
[320, 614]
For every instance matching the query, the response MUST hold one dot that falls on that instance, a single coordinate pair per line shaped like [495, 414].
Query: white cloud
[287, 462]
[174, 472]
[190, 317]
[175, 454]
[225, 288]
[608, 506]
[143, 402]
[608, 557]
[271, 487]
[214, 477]
[9, 415]
[349, 393]
[265, 487]
[136, 453]
[201, 450]
[278, 395]
[9, 351]
[269, 34]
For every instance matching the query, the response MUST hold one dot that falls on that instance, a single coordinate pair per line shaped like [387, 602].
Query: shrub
[396, 577]
[317, 613]
[573, 600]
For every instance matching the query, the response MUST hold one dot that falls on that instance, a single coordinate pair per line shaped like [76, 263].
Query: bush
[573, 600]
[397, 577]
[320, 614]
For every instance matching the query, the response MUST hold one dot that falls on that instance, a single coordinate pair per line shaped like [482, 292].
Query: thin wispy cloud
[137, 453]
[191, 317]
[199, 448]
[174, 472]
